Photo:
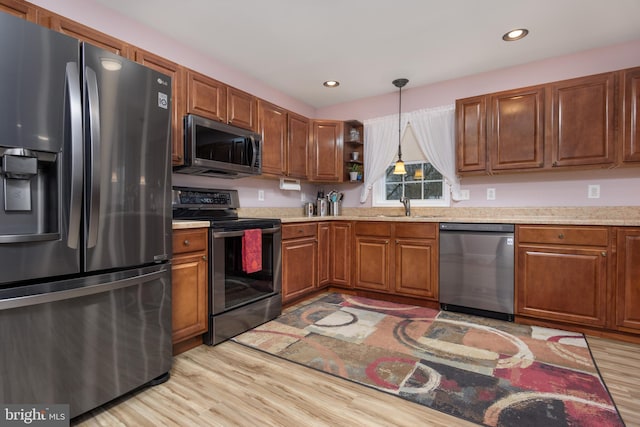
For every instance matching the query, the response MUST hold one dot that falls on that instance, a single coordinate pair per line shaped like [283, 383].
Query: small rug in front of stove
[482, 370]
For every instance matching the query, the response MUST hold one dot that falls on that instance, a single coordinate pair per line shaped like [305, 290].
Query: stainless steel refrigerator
[85, 221]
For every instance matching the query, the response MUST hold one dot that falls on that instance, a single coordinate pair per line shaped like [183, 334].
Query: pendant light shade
[399, 168]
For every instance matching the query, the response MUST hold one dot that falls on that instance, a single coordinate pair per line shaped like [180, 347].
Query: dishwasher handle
[480, 227]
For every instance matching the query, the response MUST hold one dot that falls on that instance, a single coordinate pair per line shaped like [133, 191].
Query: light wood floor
[231, 385]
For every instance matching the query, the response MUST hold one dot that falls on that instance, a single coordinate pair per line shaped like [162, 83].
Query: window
[423, 184]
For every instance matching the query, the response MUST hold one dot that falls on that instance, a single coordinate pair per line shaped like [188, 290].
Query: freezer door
[40, 107]
[84, 342]
[128, 164]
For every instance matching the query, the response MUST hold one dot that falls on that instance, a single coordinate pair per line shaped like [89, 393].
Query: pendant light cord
[399, 83]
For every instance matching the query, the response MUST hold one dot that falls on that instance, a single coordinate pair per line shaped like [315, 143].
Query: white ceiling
[295, 45]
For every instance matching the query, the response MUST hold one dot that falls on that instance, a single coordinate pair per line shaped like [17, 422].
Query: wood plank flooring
[231, 385]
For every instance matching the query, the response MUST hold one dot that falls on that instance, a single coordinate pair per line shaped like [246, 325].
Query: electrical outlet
[303, 197]
[464, 195]
[491, 193]
[261, 195]
[593, 191]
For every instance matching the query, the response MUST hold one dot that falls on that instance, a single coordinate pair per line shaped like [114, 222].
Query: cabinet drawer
[294, 231]
[416, 230]
[185, 241]
[373, 229]
[562, 235]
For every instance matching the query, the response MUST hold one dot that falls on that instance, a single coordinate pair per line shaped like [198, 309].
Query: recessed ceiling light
[331, 83]
[514, 35]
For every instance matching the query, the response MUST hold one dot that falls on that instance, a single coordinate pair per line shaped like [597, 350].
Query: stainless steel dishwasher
[476, 269]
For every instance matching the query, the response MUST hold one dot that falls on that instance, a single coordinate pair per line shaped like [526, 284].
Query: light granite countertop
[612, 216]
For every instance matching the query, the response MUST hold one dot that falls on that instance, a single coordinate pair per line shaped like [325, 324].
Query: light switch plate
[464, 195]
[593, 191]
[261, 195]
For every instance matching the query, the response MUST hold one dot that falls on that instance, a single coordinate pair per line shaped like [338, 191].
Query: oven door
[231, 287]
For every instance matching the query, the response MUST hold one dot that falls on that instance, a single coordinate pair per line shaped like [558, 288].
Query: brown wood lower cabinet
[397, 258]
[627, 295]
[341, 241]
[299, 260]
[189, 284]
[562, 274]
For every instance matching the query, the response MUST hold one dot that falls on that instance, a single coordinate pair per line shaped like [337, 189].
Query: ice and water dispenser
[29, 194]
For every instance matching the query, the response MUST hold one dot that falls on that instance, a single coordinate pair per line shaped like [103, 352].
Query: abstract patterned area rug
[486, 371]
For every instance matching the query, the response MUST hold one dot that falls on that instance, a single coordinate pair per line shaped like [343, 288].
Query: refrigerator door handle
[93, 203]
[48, 297]
[75, 117]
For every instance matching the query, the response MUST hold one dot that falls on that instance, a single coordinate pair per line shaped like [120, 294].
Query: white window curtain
[381, 136]
[434, 129]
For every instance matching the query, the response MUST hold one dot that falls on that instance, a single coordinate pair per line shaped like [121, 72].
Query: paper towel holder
[289, 184]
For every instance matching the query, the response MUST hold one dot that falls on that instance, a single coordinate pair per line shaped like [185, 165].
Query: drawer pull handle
[603, 253]
[186, 243]
[560, 236]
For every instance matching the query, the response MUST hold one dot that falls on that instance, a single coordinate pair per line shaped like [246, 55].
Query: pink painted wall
[618, 187]
[97, 16]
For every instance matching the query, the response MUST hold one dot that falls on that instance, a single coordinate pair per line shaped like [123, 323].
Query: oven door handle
[240, 233]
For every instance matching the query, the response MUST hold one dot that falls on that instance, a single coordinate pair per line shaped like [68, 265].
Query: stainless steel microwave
[220, 150]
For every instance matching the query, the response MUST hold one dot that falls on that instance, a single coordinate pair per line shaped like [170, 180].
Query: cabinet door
[82, 32]
[628, 280]
[416, 268]
[562, 283]
[631, 117]
[326, 154]
[516, 131]
[341, 253]
[189, 296]
[582, 121]
[298, 147]
[324, 254]
[299, 268]
[471, 136]
[20, 9]
[242, 109]
[206, 97]
[178, 95]
[272, 125]
[372, 263]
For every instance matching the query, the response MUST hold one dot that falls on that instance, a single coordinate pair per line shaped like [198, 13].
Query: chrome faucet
[407, 205]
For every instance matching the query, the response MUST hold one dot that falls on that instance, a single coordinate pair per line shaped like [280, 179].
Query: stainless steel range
[238, 300]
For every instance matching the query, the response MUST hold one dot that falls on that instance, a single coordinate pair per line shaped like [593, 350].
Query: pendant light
[399, 167]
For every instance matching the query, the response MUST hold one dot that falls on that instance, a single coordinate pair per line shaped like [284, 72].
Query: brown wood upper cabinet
[297, 146]
[326, 150]
[82, 32]
[516, 130]
[630, 128]
[285, 141]
[582, 126]
[565, 124]
[177, 74]
[272, 125]
[20, 9]
[206, 97]
[242, 109]
[471, 134]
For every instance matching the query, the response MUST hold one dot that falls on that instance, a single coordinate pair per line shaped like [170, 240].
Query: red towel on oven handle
[252, 250]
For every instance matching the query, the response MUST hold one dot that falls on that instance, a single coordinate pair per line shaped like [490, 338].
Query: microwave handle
[254, 144]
